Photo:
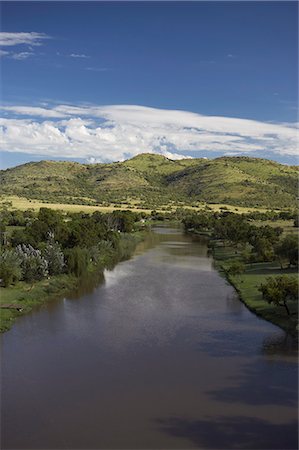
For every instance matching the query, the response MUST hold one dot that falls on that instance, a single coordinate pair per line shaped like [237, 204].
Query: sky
[104, 81]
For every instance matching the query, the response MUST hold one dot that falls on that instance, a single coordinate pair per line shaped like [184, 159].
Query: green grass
[286, 225]
[29, 296]
[23, 204]
[247, 285]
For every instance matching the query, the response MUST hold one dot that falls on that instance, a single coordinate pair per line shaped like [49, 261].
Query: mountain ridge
[151, 179]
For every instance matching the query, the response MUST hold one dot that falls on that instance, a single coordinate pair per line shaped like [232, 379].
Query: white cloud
[22, 55]
[97, 69]
[78, 55]
[11, 39]
[3, 53]
[33, 111]
[115, 132]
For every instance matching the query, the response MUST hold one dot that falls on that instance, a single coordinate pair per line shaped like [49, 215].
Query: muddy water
[160, 355]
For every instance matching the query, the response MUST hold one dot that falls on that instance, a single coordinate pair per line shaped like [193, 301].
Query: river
[160, 355]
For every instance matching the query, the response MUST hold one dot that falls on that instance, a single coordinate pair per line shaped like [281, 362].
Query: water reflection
[280, 344]
[156, 353]
[232, 433]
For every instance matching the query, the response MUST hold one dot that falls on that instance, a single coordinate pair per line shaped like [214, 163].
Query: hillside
[153, 180]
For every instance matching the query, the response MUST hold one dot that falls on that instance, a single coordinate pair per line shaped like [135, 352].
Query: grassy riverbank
[247, 285]
[26, 297]
[21, 298]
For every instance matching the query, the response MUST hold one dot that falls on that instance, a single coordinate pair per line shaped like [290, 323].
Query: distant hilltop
[150, 180]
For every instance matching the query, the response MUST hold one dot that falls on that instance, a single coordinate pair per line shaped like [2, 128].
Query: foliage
[10, 267]
[77, 260]
[279, 290]
[34, 265]
[287, 249]
[236, 268]
[102, 253]
[54, 256]
[199, 222]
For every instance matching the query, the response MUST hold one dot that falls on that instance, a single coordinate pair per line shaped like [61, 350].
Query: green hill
[153, 180]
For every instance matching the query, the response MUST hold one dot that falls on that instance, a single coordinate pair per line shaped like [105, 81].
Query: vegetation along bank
[49, 255]
[258, 257]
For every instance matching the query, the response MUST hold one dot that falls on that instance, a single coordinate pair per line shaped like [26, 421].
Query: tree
[123, 221]
[279, 290]
[263, 248]
[287, 249]
[54, 256]
[232, 227]
[77, 260]
[34, 265]
[236, 268]
[10, 267]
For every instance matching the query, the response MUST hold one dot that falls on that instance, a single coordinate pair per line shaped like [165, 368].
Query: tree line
[255, 244]
[51, 243]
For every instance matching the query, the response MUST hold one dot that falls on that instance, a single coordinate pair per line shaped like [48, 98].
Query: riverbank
[247, 284]
[22, 298]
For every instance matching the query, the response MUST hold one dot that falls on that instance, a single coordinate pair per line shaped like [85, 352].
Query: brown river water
[160, 355]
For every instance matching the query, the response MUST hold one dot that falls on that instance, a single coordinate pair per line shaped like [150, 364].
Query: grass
[286, 225]
[29, 296]
[247, 285]
[24, 204]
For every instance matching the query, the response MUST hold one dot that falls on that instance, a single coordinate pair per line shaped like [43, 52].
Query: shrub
[236, 268]
[10, 267]
[34, 265]
[280, 290]
[77, 260]
[54, 256]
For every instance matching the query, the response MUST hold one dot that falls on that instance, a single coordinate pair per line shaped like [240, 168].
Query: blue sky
[229, 60]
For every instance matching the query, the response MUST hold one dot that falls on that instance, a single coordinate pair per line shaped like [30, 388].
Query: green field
[247, 285]
[23, 204]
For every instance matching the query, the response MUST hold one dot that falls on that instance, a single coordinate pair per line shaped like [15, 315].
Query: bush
[10, 267]
[287, 249]
[54, 256]
[34, 265]
[236, 268]
[77, 260]
[280, 290]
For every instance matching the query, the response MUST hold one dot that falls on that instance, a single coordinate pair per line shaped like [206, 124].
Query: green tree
[236, 268]
[34, 265]
[10, 267]
[280, 290]
[54, 256]
[263, 249]
[287, 250]
[77, 260]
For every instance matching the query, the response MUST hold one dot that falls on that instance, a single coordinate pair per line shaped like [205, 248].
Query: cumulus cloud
[11, 39]
[116, 132]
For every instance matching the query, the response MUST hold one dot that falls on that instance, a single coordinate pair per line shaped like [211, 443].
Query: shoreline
[246, 285]
[23, 298]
